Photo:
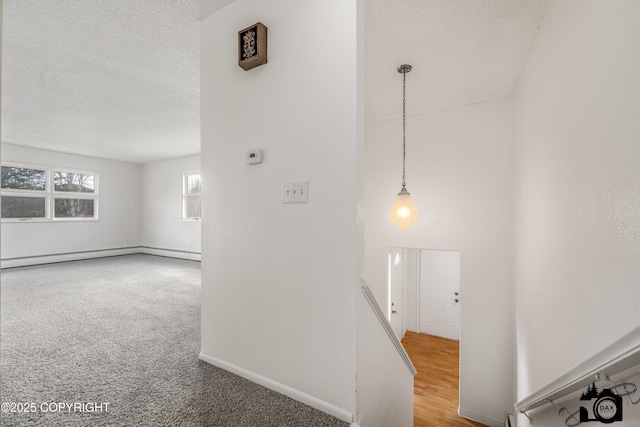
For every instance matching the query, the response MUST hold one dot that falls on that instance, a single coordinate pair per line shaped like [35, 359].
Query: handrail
[619, 357]
[387, 326]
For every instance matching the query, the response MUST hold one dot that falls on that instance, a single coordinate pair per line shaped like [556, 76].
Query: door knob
[456, 294]
[457, 300]
[393, 312]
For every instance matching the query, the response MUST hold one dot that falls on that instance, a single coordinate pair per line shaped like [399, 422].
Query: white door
[395, 286]
[439, 284]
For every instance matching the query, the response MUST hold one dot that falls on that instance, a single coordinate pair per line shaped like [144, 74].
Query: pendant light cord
[404, 124]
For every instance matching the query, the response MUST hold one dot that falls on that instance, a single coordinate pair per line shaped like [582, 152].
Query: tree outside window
[34, 193]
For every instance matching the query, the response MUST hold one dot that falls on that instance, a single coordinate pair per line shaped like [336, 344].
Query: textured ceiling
[116, 79]
[462, 51]
[120, 78]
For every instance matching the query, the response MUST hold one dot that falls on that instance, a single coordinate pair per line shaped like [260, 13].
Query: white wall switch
[295, 192]
[254, 156]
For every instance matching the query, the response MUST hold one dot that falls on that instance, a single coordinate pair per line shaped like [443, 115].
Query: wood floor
[436, 384]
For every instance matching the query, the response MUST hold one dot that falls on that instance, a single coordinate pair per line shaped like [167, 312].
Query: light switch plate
[295, 192]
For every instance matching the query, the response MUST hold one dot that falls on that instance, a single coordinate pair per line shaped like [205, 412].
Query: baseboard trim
[474, 416]
[298, 395]
[67, 256]
[171, 253]
[96, 253]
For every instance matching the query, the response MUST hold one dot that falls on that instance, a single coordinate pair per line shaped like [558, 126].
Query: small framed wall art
[252, 46]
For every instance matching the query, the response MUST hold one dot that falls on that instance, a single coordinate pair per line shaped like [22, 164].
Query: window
[16, 178]
[24, 207]
[42, 193]
[73, 208]
[74, 195]
[24, 192]
[191, 186]
[74, 182]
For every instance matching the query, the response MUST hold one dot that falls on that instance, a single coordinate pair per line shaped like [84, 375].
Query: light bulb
[404, 212]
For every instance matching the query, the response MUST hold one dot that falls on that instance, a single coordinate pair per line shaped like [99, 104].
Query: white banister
[387, 326]
[385, 375]
[621, 356]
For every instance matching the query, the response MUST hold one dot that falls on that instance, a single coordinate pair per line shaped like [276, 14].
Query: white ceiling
[116, 79]
[462, 51]
[120, 79]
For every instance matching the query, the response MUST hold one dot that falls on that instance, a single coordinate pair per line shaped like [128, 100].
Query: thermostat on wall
[254, 156]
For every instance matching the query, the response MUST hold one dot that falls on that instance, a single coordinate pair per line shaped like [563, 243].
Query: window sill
[42, 220]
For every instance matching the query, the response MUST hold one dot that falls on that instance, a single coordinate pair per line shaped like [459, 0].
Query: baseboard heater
[171, 253]
[95, 253]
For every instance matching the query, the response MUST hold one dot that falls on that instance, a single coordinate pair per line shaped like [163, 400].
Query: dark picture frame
[252, 46]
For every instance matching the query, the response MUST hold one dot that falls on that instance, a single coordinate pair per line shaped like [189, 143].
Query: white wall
[279, 280]
[385, 382]
[119, 189]
[163, 230]
[459, 173]
[578, 203]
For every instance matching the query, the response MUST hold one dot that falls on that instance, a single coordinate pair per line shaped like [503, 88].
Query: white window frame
[186, 195]
[74, 195]
[49, 194]
[46, 193]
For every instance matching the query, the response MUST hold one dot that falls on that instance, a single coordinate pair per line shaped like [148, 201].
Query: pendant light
[404, 212]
